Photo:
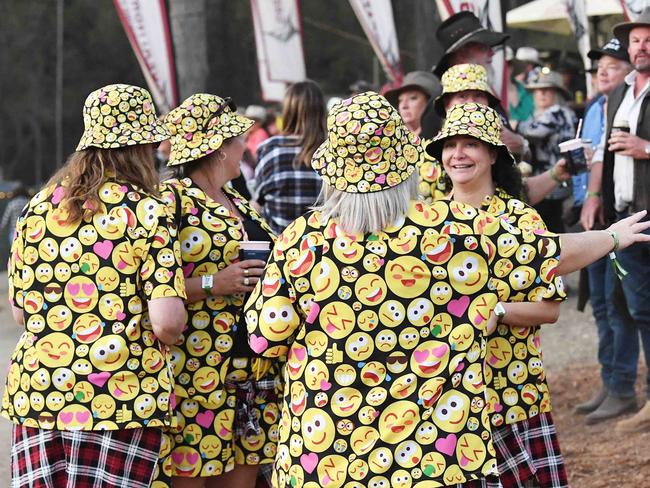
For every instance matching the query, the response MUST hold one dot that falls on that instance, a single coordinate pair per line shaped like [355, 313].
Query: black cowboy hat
[460, 29]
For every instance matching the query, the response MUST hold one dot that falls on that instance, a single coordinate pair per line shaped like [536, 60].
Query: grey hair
[367, 212]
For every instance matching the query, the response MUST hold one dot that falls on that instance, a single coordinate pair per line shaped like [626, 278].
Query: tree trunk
[189, 33]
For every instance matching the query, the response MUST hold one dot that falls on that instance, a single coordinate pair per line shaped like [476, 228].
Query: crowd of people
[389, 335]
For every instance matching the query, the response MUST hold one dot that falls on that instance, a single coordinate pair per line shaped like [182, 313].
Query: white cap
[256, 112]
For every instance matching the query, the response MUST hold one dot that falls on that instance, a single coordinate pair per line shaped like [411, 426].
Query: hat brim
[393, 95]
[434, 149]
[596, 54]
[149, 134]
[622, 30]
[563, 91]
[483, 36]
[439, 102]
[177, 157]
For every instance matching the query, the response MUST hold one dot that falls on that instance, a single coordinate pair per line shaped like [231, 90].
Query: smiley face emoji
[74, 417]
[407, 276]
[109, 353]
[363, 439]
[337, 320]
[55, 350]
[451, 412]
[471, 452]
[430, 358]
[317, 430]
[370, 289]
[398, 421]
[468, 272]
[346, 401]
[325, 278]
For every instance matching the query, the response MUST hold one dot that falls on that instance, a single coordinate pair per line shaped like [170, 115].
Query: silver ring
[246, 272]
[246, 281]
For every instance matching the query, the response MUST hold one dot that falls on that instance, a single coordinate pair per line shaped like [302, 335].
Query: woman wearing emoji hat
[225, 395]
[382, 311]
[95, 276]
[483, 174]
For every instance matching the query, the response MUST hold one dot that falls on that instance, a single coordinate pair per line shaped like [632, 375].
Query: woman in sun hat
[483, 174]
[95, 277]
[412, 97]
[553, 122]
[381, 313]
[225, 395]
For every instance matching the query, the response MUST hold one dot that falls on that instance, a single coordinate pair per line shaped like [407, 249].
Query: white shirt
[624, 165]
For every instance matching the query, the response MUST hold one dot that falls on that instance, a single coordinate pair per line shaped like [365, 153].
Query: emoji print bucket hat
[464, 77]
[120, 115]
[474, 120]
[200, 125]
[368, 148]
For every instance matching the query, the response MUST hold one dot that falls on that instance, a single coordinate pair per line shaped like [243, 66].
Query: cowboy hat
[418, 80]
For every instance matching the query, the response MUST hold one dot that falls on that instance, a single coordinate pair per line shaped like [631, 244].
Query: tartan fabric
[528, 454]
[43, 458]
[284, 189]
[246, 392]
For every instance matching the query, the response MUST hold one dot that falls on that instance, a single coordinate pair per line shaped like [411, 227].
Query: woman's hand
[629, 230]
[492, 323]
[560, 170]
[240, 277]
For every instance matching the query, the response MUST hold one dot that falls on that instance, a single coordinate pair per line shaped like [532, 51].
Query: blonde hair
[87, 170]
[367, 212]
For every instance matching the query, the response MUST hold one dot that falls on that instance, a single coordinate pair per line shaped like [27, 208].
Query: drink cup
[254, 250]
[620, 126]
[573, 151]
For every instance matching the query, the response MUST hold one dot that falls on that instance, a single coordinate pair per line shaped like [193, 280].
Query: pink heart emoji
[204, 419]
[194, 210]
[498, 407]
[99, 379]
[82, 417]
[440, 351]
[120, 315]
[124, 189]
[447, 445]
[309, 462]
[72, 288]
[58, 194]
[187, 269]
[177, 457]
[192, 458]
[458, 307]
[381, 179]
[313, 313]
[325, 385]
[421, 356]
[103, 249]
[381, 262]
[258, 344]
[65, 417]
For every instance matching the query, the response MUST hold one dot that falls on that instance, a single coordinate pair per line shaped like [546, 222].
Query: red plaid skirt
[43, 458]
[528, 454]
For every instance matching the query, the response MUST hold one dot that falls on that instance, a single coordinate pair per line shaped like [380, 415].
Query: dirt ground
[596, 457]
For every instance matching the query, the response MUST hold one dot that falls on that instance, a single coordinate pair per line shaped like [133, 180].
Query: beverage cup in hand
[254, 250]
[573, 151]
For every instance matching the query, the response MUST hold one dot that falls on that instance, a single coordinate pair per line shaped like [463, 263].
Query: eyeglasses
[227, 103]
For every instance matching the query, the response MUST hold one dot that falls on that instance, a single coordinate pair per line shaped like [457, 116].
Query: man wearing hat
[465, 40]
[614, 334]
[625, 187]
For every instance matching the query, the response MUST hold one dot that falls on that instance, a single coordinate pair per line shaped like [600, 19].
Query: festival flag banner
[633, 8]
[489, 13]
[146, 23]
[376, 19]
[577, 14]
[278, 42]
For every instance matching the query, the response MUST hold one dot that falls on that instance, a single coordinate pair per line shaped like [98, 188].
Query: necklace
[229, 205]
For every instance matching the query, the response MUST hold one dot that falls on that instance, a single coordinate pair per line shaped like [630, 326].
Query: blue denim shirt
[593, 126]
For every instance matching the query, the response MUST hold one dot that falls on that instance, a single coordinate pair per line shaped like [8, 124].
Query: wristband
[551, 170]
[207, 281]
[593, 194]
[615, 238]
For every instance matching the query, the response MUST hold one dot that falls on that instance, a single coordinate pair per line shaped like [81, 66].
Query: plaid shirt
[284, 190]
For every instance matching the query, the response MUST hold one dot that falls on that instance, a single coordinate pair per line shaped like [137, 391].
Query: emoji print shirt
[88, 358]
[383, 337]
[209, 237]
[514, 372]
[434, 185]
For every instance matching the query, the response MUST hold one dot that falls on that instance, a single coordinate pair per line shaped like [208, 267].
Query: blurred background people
[552, 122]
[20, 197]
[285, 184]
[412, 97]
